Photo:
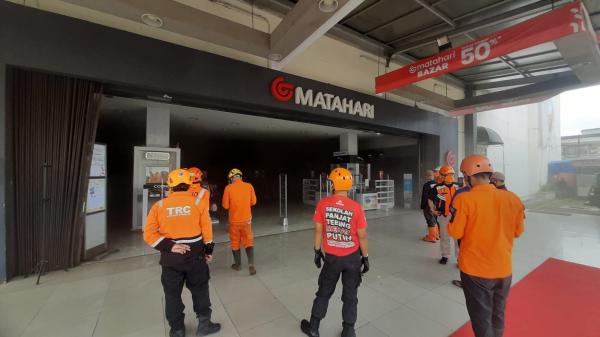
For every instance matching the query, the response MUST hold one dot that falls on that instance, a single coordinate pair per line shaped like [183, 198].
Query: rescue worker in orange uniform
[238, 198]
[486, 221]
[340, 231]
[440, 200]
[430, 219]
[196, 188]
[179, 227]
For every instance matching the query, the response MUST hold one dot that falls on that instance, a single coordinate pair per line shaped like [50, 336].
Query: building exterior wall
[531, 135]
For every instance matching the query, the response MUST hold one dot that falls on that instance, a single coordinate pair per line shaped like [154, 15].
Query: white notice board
[96, 196]
[98, 167]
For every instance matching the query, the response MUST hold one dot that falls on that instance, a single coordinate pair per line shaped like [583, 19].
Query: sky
[579, 109]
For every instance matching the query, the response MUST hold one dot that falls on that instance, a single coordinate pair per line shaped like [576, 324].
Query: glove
[364, 261]
[318, 257]
[209, 248]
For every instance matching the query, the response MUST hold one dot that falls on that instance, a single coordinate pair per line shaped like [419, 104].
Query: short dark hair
[484, 175]
[180, 188]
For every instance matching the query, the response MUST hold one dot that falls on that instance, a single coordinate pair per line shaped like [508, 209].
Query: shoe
[252, 270]
[236, 267]
[457, 283]
[348, 330]
[206, 327]
[430, 237]
[311, 330]
[177, 333]
[444, 260]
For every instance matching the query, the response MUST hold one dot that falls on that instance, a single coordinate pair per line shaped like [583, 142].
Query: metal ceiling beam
[533, 71]
[467, 28]
[394, 20]
[443, 26]
[361, 11]
[436, 12]
[348, 35]
[503, 69]
[304, 24]
[520, 81]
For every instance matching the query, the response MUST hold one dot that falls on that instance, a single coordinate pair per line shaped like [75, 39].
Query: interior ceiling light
[328, 6]
[275, 57]
[152, 20]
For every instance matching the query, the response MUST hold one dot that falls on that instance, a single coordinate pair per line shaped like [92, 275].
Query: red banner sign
[551, 26]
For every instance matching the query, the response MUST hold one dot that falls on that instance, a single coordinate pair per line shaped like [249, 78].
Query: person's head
[196, 175]
[234, 175]
[179, 180]
[477, 170]
[497, 179]
[447, 174]
[436, 175]
[429, 175]
[341, 179]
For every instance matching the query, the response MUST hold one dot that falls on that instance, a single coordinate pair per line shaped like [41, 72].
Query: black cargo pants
[349, 269]
[195, 274]
[486, 302]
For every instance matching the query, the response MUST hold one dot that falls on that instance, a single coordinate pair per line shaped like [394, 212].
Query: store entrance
[217, 141]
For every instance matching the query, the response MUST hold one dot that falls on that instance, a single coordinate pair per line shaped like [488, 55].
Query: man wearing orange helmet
[196, 188]
[439, 203]
[340, 231]
[238, 198]
[179, 227]
[486, 221]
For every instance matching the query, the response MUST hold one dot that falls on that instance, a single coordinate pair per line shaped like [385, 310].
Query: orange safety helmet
[446, 170]
[179, 176]
[196, 174]
[474, 164]
[341, 179]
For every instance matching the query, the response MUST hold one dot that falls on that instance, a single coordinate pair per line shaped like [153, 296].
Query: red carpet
[557, 299]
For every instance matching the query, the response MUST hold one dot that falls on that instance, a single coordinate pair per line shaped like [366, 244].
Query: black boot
[311, 328]
[177, 333]
[443, 260]
[237, 260]
[206, 327]
[348, 330]
[250, 255]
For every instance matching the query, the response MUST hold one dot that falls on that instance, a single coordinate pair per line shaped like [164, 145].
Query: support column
[158, 122]
[470, 128]
[349, 143]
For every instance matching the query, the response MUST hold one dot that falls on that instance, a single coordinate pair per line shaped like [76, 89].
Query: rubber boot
[206, 327]
[444, 260]
[250, 255]
[348, 330]
[431, 236]
[177, 333]
[237, 260]
[311, 328]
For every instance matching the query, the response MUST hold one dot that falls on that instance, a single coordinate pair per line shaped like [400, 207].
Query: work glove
[364, 261]
[209, 248]
[319, 257]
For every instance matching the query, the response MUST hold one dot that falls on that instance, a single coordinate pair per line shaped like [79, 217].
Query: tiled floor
[406, 294]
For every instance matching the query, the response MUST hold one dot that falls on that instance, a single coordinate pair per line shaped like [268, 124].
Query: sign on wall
[287, 92]
[564, 21]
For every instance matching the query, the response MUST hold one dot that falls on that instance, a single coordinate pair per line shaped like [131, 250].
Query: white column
[158, 120]
[349, 143]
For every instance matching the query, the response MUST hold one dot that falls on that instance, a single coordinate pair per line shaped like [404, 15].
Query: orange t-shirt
[178, 216]
[238, 198]
[486, 221]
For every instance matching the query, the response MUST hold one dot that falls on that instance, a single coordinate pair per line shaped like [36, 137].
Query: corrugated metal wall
[53, 122]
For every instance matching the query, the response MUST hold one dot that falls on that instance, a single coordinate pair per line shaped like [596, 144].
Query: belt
[192, 240]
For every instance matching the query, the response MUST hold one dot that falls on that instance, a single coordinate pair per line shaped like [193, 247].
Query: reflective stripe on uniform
[200, 195]
[158, 241]
[189, 240]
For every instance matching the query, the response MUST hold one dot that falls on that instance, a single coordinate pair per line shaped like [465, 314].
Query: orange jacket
[179, 218]
[238, 198]
[197, 189]
[486, 221]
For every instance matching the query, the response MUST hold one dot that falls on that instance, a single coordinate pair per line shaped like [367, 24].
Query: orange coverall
[238, 198]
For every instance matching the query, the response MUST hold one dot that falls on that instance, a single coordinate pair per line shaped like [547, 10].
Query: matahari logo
[281, 90]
